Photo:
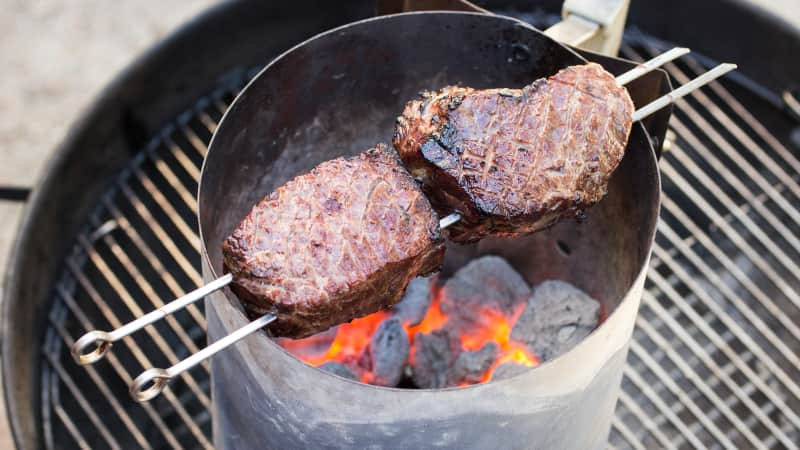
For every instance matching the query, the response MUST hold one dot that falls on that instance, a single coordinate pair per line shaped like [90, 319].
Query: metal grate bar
[81, 401]
[138, 353]
[636, 379]
[742, 307]
[626, 433]
[641, 353]
[741, 215]
[759, 198]
[103, 388]
[163, 236]
[743, 138]
[111, 278]
[70, 425]
[698, 383]
[183, 160]
[730, 232]
[182, 191]
[166, 206]
[679, 331]
[156, 264]
[649, 425]
[195, 140]
[72, 305]
[737, 184]
[206, 120]
[149, 292]
[755, 125]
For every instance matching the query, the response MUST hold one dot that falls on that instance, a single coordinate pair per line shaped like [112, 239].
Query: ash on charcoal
[338, 369]
[508, 370]
[432, 359]
[486, 282]
[415, 302]
[387, 353]
[471, 366]
[557, 317]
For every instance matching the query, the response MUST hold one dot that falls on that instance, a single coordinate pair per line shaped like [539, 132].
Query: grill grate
[714, 361]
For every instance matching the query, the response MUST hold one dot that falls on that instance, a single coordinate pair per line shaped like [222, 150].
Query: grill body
[713, 360]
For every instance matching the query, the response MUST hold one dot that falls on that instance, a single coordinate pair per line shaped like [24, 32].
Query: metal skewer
[100, 341]
[651, 65]
[93, 346]
[151, 382]
[682, 91]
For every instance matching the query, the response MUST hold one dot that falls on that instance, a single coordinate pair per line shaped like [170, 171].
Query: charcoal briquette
[388, 351]
[415, 302]
[471, 366]
[486, 282]
[557, 317]
[432, 359]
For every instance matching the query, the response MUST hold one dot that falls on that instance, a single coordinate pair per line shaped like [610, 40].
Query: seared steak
[339, 242]
[514, 161]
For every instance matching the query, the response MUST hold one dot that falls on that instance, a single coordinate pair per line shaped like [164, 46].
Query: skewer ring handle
[149, 384]
[91, 347]
[100, 341]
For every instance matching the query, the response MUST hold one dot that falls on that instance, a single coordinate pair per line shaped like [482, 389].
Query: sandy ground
[56, 55]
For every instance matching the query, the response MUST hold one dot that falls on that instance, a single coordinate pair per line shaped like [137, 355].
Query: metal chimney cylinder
[339, 93]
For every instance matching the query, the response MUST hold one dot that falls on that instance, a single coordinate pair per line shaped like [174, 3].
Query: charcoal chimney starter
[347, 87]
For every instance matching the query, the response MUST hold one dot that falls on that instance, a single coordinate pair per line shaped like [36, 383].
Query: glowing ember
[352, 339]
[434, 319]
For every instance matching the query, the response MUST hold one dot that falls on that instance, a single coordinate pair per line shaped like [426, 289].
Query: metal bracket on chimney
[594, 25]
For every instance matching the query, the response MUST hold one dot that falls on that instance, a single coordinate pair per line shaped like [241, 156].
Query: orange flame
[434, 318]
[350, 341]
[352, 338]
[494, 326]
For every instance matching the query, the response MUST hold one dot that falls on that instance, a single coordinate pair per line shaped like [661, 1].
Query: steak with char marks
[515, 161]
[337, 243]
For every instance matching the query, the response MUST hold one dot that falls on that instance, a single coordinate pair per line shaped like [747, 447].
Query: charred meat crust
[339, 242]
[515, 161]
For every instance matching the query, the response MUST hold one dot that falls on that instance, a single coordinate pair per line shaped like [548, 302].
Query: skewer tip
[650, 65]
[682, 91]
[448, 220]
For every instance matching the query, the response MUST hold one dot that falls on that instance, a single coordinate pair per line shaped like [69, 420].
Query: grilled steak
[514, 161]
[339, 242]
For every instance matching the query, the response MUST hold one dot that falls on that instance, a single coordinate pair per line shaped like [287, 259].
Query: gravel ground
[56, 56]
